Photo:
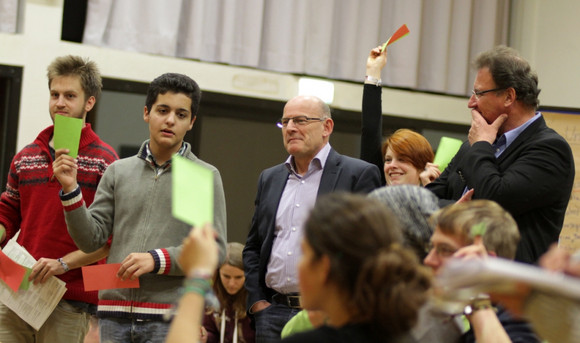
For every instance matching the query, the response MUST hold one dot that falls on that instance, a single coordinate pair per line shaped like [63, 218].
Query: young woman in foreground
[354, 268]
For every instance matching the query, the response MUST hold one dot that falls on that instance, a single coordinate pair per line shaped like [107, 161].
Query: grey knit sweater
[133, 207]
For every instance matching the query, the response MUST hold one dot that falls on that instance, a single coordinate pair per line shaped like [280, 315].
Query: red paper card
[104, 276]
[11, 272]
[400, 33]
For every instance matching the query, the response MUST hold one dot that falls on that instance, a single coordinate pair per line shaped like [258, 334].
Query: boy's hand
[45, 268]
[64, 168]
[474, 251]
[135, 265]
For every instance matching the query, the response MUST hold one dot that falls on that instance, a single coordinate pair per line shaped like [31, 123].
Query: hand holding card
[104, 276]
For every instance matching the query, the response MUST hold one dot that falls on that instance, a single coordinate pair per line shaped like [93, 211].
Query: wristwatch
[479, 303]
[63, 264]
[373, 80]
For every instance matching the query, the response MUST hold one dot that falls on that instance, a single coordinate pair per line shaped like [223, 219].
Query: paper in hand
[400, 33]
[192, 192]
[11, 272]
[104, 276]
[447, 149]
[67, 134]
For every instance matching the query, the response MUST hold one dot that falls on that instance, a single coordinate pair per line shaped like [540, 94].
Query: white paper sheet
[497, 274]
[37, 303]
[552, 306]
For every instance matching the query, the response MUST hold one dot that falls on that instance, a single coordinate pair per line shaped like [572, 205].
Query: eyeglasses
[441, 250]
[478, 94]
[298, 121]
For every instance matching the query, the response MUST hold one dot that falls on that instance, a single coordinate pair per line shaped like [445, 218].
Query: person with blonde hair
[30, 206]
[501, 231]
[479, 229]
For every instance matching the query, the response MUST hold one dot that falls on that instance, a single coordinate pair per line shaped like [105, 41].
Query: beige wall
[545, 32]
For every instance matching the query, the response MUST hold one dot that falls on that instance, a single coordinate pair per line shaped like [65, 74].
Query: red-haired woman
[406, 156]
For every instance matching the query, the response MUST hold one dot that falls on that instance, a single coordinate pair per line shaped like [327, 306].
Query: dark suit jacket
[532, 179]
[341, 173]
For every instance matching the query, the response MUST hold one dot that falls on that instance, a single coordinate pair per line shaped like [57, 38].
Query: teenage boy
[31, 204]
[133, 204]
[455, 237]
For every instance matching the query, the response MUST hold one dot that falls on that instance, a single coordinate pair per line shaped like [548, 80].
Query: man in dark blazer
[511, 156]
[286, 193]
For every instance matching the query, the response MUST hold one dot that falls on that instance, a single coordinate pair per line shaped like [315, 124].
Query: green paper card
[192, 192]
[447, 149]
[67, 134]
[478, 230]
[25, 285]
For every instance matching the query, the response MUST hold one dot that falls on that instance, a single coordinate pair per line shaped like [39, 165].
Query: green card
[447, 149]
[25, 285]
[478, 230]
[67, 134]
[192, 192]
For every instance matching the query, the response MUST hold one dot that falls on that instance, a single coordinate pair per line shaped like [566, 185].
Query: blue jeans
[122, 330]
[271, 321]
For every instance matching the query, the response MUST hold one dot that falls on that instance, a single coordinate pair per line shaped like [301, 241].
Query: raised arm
[372, 123]
[199, 257]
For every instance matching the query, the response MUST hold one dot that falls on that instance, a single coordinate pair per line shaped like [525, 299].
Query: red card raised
[11, 272]
[104, 276]
[400, 33]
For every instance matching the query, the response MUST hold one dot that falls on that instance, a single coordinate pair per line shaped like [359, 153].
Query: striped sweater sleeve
[162, 261]
[72, 200]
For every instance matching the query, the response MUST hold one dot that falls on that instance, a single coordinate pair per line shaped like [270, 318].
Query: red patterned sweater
[31, 202]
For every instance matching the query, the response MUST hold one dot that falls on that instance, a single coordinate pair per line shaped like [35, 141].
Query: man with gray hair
[512, 156]
[286, 193]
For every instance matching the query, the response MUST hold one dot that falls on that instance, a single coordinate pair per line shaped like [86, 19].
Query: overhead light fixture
[320, 88]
